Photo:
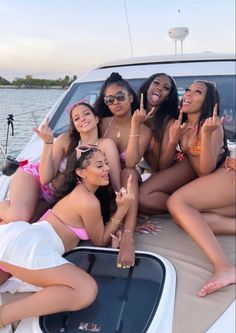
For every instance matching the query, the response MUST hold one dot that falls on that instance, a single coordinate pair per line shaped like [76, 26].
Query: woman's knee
[174, 202]
[85, 294]
[143, 197]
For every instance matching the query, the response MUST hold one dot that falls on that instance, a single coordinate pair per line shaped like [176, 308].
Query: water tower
[178, 34]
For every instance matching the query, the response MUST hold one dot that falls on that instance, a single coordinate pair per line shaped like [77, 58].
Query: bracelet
[128, 230]
[48, 143]
[132, 135]
[115, 221]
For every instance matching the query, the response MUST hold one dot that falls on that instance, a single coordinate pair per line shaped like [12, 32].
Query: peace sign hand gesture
[176, 129]
[212, 123]
[44, 132]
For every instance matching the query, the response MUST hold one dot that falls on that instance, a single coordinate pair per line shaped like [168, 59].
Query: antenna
[127, 20]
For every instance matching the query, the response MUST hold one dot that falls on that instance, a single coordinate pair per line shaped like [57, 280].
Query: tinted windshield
[90, 91]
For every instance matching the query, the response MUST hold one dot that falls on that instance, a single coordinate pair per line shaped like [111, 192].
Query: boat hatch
[127, 301]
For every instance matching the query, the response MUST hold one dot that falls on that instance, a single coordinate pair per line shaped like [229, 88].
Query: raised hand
[139, 115]
[125, 196]
[212, 123]
[176, 129]
[151, 113]
[44, 132]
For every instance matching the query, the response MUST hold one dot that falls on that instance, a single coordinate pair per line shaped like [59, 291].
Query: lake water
[21, 103]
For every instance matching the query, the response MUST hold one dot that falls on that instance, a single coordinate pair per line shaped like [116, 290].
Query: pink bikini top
[81, 233]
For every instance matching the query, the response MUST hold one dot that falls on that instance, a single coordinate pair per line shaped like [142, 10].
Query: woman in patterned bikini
[36, 181]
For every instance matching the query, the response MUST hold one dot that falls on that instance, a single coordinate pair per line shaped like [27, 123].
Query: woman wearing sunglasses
[123, 121]
[60, 285]
[36, 181]
[206, 206]
[168, 173]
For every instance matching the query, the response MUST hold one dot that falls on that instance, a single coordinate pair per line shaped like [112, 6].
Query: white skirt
[33, 246]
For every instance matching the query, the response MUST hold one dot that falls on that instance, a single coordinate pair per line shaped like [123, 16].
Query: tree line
[29, 82]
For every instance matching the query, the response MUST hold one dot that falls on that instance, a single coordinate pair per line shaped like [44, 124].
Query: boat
[185, 267]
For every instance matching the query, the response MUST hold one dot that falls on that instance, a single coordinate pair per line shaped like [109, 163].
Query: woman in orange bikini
[206, 206]
[60, 285]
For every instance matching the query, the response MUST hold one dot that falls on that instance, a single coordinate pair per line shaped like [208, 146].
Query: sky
[54, 38]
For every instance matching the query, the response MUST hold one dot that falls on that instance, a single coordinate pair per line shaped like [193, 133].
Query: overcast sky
[54, 38]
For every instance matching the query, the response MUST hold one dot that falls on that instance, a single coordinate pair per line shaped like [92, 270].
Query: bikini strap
[108, 127]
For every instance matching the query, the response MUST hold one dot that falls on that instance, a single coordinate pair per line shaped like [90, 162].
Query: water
[20, 103]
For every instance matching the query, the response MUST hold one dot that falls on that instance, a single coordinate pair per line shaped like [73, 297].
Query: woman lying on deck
[33, 252]
[206, 206]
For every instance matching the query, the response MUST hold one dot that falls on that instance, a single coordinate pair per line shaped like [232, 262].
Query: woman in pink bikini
[206, 206]
[36, 181]
[33, 252]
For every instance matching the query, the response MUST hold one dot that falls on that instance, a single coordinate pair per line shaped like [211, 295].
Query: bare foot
[219, 279]
[126, 256]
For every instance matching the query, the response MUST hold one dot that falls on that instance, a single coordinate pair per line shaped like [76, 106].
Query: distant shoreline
[33, 87]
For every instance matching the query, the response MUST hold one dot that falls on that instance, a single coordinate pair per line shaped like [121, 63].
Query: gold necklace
[114, 126]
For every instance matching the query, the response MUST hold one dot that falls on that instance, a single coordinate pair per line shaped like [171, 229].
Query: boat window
[90, 91]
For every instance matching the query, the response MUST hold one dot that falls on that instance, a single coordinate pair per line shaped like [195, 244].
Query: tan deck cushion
[192, 313]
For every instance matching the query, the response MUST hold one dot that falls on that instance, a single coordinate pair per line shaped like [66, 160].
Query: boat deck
[192, 313]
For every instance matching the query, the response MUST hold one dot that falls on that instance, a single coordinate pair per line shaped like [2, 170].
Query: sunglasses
[71, 107]
[120, 97]
[84, 149]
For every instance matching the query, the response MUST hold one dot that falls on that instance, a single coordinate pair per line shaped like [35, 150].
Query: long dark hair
[71, 179]
[115, 78]
[211, 99]
[73, 133]
[167, 110]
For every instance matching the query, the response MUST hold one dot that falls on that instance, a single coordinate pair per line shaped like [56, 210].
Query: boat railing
[23, 124]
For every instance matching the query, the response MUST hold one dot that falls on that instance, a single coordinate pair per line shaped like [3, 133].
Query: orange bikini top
[195, 148]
